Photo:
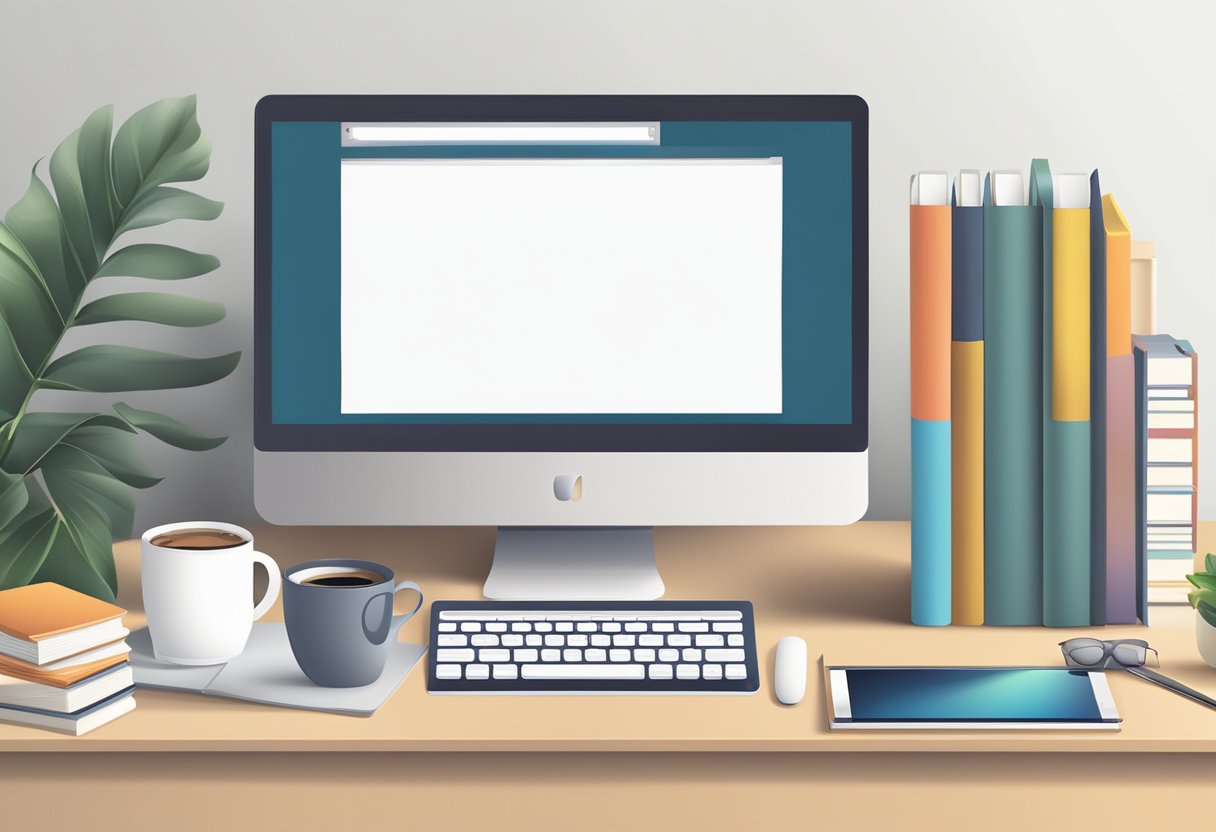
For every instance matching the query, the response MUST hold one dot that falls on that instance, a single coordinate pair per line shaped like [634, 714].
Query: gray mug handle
[399, 620]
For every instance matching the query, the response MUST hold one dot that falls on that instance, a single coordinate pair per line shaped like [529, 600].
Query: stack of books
[63, 659]
[1025, 482]
[1167, 381]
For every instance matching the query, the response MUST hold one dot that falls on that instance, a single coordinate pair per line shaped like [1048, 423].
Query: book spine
[1066, 442]
[1097, 403]
[1013, 414]
[929, 240]
[1140, 427]
[1117, 555]
[967, 415]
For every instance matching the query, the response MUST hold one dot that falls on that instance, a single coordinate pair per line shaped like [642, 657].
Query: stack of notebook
[1024, 421]
[63, 659]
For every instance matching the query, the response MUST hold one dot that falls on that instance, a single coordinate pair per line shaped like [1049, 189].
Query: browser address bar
[500, 133]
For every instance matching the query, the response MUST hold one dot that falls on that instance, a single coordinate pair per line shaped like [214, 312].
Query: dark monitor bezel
[569, 437]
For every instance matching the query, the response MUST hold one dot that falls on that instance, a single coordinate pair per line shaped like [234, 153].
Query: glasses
[1091, 652]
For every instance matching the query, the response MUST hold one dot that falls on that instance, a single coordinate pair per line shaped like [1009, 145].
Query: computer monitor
[571, 317]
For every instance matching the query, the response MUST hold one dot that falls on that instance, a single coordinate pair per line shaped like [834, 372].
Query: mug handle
[272, 586]
[399, 620]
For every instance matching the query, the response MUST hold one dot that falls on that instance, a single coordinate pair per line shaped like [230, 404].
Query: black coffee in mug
[198, 539]
[346, 578]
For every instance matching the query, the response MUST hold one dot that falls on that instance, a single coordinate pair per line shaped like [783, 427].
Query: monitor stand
[574, 564]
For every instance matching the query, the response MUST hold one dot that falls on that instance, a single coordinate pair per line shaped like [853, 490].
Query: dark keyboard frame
[747, 685]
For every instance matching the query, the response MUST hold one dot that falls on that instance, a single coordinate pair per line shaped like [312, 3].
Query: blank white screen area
[561, 286]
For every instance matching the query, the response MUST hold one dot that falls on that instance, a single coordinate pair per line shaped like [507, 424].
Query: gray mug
[340, 622]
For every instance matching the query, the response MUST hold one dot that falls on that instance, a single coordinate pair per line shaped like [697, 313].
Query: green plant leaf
[1208, 611]
[66, 564]
[36, 221]
[113, 449]
[15, 377]
[1209, 563]
[1196, 595]
[160, 143]
[109, 368]
[25, 303]
[1203, 580]
[80, 171]
[167, 429]
[159, 262]
[94, 506]
[164, 204]
[37, 433]
[25, 549]
[14, 497]
[153, 307]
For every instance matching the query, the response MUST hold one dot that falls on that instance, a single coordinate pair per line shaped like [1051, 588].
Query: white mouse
[789, 670]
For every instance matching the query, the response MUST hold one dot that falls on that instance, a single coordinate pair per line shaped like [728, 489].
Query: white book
[1169, 393]
[1171, 420]
[67, 700]
[1169, 569]
[1171, 371]
[60, 646]
[81, 722]
[1167, 475]
[1169, 508]
[1171, 405]
[1169, 450]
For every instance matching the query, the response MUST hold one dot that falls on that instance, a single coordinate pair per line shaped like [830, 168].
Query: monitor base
[574, 564]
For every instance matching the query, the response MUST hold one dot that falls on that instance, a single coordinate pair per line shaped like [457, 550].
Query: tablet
[962, 698]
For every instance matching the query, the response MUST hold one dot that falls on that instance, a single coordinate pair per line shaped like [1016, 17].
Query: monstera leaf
[67, 480]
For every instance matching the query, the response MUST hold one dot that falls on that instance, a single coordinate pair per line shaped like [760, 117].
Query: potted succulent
[67, 479]
[1203, 599]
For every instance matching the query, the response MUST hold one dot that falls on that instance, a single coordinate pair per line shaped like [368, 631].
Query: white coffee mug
[199, 601]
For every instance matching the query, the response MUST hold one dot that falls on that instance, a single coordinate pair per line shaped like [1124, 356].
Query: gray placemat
[267, 673]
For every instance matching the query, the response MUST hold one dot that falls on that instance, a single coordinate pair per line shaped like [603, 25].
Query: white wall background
[1124, 86]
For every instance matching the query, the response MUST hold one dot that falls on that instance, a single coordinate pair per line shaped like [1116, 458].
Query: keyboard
[632, 647]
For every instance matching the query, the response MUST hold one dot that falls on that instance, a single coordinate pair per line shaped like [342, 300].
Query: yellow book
[967, 474]
[1070, 305]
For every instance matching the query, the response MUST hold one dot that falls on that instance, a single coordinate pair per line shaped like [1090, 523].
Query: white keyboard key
[678, 640]
[461, 656]
[543, 627]
[587, 627]
[512, 640]
[493, 655]
[447, 627]
[644, 655]
[470, 627]
[710, 641]
[658, 671]
[464, 615]
[595, 655]
[453, 640]
[484, 640]
[601, 640]
[611, 627]
[694, 627]
[662, 627]
[550, 655]
[496, 627]
[736, 671]
[669, 655]
[619, 655]
[728, 628]
[727, 655]
[447, 671]
[571, 654]
[635, 627]
[650, 640]
[691, 654]
[564, 627]
[584, 671]
[533, 640]
[622, 640]
[505, 671]
[712, 671]
[521, 627]
[735, 640]
[688, 671]
[477, 671]
[524, 656]
[554, 640]
[576, 640]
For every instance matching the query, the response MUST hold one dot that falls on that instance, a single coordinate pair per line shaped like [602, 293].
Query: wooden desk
[844, 589]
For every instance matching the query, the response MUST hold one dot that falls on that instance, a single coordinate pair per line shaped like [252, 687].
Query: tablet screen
[911, 694]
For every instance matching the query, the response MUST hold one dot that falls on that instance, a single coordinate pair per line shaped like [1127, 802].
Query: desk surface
[845, 590]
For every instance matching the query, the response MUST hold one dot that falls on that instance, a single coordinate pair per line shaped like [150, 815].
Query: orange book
[61, 677]
[42, 623]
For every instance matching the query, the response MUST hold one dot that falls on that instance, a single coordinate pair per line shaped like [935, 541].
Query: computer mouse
[789, 670]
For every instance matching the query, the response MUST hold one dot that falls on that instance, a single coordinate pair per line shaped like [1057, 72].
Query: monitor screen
[590, 284]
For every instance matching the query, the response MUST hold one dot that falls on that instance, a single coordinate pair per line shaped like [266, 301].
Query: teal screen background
[817, 264]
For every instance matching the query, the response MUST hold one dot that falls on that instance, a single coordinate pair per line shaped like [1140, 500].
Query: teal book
[1013, 403]
[1066, 277]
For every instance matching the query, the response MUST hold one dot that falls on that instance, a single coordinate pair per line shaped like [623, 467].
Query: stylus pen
[1169, 684]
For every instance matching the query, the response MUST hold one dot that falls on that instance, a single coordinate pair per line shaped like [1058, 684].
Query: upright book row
[1024, 405]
